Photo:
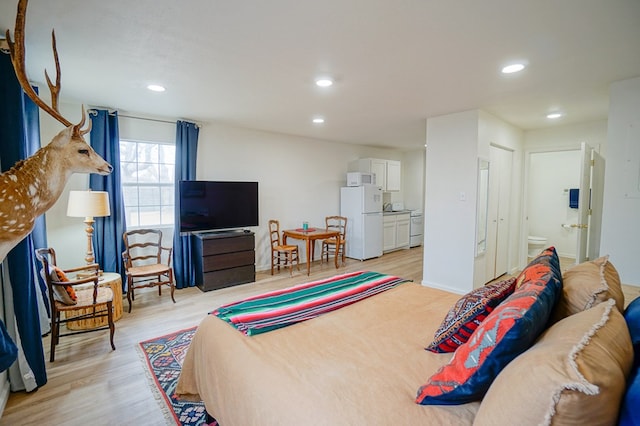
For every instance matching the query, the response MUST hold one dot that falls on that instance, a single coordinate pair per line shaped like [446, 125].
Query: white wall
[563, 137]
[451, 174]
[621, 210]
[299, 178]
[454, 144]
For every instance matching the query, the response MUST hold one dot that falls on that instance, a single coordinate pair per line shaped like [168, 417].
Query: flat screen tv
[214, 205]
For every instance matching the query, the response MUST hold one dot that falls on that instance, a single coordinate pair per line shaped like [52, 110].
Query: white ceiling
[252, 63]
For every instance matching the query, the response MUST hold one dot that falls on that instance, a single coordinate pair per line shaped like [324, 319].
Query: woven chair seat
[145, 270]
[85, 299]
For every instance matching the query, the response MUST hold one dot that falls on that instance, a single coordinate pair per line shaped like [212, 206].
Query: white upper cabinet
[388, 172]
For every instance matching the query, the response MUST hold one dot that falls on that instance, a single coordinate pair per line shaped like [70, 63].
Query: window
[147, 170]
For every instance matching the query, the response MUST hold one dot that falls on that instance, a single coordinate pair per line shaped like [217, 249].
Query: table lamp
[88, 204]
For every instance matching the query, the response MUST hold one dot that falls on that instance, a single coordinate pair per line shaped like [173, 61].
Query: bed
[360, 364]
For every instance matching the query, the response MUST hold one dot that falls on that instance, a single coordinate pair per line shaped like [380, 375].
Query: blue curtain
[20, 136]
[107, 241]
[186, 150]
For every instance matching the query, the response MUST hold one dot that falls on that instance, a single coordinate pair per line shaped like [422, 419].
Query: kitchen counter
[396, 212]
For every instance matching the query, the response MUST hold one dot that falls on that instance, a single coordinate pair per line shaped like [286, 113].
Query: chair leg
[172, 284]
[129, 291]
[55, 317]
[112, 327]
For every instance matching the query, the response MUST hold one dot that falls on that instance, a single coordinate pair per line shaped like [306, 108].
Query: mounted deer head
[33, 185]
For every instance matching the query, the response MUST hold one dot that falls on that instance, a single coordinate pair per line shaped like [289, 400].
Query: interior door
[498, 212]
[597, 192]
[584, 200]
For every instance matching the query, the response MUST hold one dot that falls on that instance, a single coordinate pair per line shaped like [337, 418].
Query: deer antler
[16, 51]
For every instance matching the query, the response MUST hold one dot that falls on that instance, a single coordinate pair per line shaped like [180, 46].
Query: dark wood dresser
[224, 259]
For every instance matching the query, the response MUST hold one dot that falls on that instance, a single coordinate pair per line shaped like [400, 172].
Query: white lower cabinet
[396, 232]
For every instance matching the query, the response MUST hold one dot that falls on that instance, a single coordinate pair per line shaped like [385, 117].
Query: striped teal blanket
[280, 308]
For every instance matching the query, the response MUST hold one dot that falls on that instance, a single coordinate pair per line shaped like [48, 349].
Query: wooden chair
[330, 245]
[143, 262]
[97, 300]
[282, 255]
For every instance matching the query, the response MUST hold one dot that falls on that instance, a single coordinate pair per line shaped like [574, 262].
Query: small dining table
[310, 235]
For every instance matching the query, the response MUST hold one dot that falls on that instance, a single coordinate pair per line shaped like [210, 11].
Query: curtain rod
[147, 119]
[158, 120]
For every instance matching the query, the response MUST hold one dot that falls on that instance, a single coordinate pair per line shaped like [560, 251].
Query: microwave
[360, 178]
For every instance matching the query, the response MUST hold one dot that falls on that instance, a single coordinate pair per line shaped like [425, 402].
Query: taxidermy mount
[33, 185]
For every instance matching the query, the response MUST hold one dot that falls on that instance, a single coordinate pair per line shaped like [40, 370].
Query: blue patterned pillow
[507, 332]
[467, 314]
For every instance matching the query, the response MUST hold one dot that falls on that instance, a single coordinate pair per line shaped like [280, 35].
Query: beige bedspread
[360, 365]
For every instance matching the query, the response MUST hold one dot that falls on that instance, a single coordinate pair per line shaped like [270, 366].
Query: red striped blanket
[280, 308]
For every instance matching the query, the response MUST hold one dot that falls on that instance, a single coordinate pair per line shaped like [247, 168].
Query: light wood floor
[90, 384]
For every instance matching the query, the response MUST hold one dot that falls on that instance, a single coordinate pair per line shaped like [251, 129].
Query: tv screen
[209, 205]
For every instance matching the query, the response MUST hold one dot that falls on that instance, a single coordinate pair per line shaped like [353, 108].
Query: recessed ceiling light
[318, 120]
[324, 82]
[510, 69]
[156, 88]
[554, 115]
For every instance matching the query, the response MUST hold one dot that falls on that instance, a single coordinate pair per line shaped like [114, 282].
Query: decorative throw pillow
[573, 375]
[64, 294]
[587, 284]
[508, 331]
[467, 314]
[629, 414]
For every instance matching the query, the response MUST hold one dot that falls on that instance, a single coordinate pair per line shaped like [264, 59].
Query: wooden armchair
[330, 245]
[143, 262]
[63, 297]
[282, 255]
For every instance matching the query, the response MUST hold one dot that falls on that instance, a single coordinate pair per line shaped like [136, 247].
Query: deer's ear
[62, 138]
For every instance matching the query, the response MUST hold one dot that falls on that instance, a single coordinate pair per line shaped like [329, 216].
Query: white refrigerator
[362, 206]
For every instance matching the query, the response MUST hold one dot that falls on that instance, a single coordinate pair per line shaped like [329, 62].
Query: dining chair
[282, 255]
[68, 291]
[144, 263]
[330, 245]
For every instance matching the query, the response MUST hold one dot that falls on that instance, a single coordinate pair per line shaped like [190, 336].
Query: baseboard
[442, 287]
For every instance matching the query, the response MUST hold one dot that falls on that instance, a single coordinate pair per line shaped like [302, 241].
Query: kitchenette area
[377, 222]
[402, 228]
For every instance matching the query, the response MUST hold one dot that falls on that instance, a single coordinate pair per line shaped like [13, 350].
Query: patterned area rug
[163, 357]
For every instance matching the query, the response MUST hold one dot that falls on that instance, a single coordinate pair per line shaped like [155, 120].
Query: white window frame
[139, 222]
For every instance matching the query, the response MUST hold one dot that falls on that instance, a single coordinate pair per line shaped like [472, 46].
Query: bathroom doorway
[563, 201]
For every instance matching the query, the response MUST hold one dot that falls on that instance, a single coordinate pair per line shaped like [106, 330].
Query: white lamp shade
[88, 204]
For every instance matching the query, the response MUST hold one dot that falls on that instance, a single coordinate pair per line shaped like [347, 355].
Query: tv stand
[224, 258]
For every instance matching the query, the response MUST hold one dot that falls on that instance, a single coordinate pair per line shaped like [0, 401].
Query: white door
[500, 169]
[589, 204]
[597, 192]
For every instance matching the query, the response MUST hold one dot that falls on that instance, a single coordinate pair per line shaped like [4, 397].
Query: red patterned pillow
[64, 294]
[467, 314]
[507, 332]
